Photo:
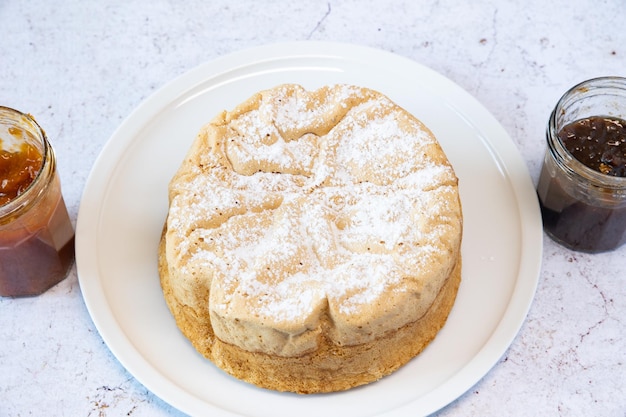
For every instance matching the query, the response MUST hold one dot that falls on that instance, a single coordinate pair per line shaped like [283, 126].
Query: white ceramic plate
[125, 203]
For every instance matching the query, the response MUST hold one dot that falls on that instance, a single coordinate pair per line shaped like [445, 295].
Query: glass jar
[585, 208]
[36, 235]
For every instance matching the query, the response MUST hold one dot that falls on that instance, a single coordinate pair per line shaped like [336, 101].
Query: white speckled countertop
[81, 67]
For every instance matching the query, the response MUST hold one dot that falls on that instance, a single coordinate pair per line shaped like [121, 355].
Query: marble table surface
[81, 67]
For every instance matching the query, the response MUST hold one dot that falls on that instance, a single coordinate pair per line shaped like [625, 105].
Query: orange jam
[18, 170]
[36, 234]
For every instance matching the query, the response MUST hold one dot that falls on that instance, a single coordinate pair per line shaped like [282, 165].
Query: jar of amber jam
[582, 187]
[36, 235]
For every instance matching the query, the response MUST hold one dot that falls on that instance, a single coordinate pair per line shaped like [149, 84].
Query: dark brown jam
[600, 144]
[586, 228]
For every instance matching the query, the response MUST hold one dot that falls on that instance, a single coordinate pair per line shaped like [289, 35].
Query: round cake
[313, 238]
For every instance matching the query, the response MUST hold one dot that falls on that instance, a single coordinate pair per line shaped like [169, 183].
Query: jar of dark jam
[36, 235]
[582, 187]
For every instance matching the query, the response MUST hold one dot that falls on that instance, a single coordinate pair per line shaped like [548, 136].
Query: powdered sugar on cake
[291, 212]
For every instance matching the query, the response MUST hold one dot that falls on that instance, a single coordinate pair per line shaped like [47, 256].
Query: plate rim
[523, 190]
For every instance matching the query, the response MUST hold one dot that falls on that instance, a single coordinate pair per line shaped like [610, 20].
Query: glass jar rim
[26, 197]
[556, 146]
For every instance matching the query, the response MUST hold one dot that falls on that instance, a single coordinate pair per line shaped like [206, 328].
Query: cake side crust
[330, 368]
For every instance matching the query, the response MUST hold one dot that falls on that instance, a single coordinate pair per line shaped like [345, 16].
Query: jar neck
[36, 190]
[570, 105]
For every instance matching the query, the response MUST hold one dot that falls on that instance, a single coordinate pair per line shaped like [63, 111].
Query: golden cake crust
[313, 239]
[328, 369]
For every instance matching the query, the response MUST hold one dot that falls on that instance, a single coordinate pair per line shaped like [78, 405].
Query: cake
[312, 242]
